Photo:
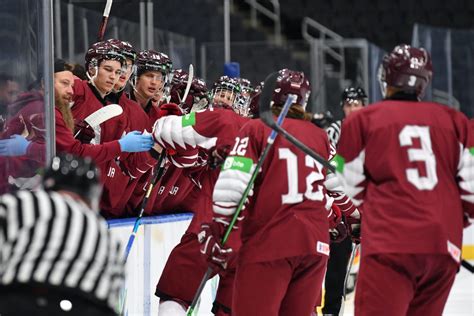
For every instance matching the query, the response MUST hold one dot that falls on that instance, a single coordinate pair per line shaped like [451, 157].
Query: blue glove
[136, 142]
[15, 146]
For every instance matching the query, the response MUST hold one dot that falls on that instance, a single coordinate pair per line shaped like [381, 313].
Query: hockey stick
[266, 96]
[155, 178]
[105, 19]
[131, 239]
[102, 115]
[349, 267]
[467, 266]
[188, 85]
[267, 117]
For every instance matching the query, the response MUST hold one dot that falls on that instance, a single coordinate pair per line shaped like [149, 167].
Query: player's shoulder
[219, 116]
[132, 106]
[79, 86]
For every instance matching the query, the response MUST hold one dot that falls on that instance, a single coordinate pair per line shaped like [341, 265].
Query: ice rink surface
[460, 301]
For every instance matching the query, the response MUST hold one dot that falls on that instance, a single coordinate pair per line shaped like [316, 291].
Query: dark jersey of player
[406, 163]
[287, 214]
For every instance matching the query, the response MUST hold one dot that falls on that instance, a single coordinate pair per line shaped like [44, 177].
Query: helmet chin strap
[94, 77]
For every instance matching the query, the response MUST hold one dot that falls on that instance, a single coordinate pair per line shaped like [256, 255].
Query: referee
[352, 99]
[57, 256]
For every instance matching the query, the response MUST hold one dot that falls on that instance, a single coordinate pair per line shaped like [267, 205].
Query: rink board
[468, 243]
[156, 237]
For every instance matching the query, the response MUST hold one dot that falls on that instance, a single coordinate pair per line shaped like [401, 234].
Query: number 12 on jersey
[294, 196]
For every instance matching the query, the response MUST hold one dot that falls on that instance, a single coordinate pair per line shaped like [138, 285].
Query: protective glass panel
[22, 110]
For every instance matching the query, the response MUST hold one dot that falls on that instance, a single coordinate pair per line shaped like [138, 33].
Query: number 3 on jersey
[424, 154]
[293, 195]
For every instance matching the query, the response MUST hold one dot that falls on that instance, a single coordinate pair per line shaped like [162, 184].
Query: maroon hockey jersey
[411, 165]
[287, 214]
[65, 142]
[204, 130]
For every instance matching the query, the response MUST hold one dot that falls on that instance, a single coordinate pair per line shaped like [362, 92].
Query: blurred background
[337, 43]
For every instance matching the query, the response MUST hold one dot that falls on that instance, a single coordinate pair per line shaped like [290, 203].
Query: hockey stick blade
[103, 114]
[267, 117]
[105, 19]
[188, 86]
[269, 85]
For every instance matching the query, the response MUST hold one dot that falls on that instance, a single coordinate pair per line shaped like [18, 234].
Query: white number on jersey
[240, 147]
[293, 195]
[424, 154]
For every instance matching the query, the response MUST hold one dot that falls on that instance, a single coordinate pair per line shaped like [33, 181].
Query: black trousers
[335, 275]
[21, 303]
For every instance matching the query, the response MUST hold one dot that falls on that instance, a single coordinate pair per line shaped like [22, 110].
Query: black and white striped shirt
[334, 132]
[52, 240]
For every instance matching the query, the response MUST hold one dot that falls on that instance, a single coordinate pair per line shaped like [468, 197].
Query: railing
[319, 49]
[142, 34]
[274, 16]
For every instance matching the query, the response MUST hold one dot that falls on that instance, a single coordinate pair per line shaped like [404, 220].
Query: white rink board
[155, 240]
[468, 237]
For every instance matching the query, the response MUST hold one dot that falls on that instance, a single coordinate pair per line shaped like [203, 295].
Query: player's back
[287, 215]
[410, 153]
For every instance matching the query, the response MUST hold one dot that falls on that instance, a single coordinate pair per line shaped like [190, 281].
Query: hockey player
[244, 97]
[352, 100]
[137, 167]
[393, 155]
[152, 78]
[32, 149]
[58, 256]
[181, 178]
[65, 141]
[197, 99]
[105, 63]
[212, 130]
[285, 240]
[150, 84]
[9, 91]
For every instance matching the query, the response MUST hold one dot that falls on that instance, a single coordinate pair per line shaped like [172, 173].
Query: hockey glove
[338, 233]
[323, 120]
[337, 229]
[210, 239]
[353, 228]
[15, 146]
[335, 216]
[217, 155]
[83, 132]
[136, 142]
